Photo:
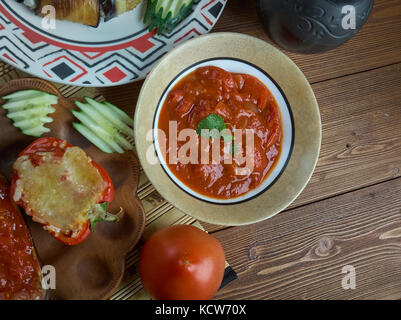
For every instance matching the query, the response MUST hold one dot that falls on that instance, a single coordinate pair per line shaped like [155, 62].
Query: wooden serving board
[159, 212]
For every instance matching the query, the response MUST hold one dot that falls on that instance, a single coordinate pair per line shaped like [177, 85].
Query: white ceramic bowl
[233, 65]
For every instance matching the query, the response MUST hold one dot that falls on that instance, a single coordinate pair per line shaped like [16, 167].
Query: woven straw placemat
[159, 212]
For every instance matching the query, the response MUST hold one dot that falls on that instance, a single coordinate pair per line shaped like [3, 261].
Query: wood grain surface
[300, 253]
[350, 213]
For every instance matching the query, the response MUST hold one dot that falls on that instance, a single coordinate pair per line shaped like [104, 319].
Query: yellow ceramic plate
[300, 115]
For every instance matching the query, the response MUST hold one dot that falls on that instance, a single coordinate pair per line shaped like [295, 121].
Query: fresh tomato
[182, 262]
[97, 211]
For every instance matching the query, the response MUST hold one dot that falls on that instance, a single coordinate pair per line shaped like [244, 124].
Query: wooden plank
[361, 141]
[361, 124]
[299, 254]
[377, 44]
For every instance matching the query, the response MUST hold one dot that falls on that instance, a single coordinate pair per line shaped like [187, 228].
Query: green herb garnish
[213, 126]
[212, 121]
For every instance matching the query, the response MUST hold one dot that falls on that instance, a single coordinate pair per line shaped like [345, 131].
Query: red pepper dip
[243, 102]
[20, 273]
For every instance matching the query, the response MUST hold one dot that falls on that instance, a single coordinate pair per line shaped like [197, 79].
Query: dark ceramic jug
[310, 26]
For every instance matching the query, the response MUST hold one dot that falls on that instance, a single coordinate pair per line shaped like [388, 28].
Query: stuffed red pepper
[62, 189]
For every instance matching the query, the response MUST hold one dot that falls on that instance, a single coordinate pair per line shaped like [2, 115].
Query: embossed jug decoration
[310, 26]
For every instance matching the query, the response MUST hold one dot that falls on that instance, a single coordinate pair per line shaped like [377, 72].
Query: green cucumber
[110, 116]
[36, 132]
[32, 123]
[105, 125]
[88, 134]
[98, 130]
[20, 105]
[32, 112]
[110, 131]
[165, 15]
[29, 110]
[97, 117]
[23, 94]
[121, 114]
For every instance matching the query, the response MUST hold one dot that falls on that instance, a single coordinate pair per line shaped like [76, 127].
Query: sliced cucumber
[29, 110]
[87, 110]
[41, 100]
[99, 131]
[31, 123]
[121, 114]
[94, 115]
[32, 112]
[98, 119]
[36, 132]
[104, 125]
[23, 94]
[88, 134]
[111, 116]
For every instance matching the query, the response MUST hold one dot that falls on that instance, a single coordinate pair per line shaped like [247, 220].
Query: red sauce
[243, 102]
[19, 267]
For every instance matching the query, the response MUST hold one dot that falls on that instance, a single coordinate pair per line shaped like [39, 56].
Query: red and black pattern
[96, 64]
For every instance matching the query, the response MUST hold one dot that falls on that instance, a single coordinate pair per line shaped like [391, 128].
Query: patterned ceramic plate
[119, 51]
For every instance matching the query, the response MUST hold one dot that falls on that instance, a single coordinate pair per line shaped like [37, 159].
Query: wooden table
[350, 212]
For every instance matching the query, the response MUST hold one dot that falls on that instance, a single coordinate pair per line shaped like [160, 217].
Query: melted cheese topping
[59, 191]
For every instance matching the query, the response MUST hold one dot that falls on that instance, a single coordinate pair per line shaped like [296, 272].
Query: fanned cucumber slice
[94, 115]
[121, 114]
[24, 104]
[29, 110]
[99, 131]
[105, 125]
[32, 112]
[110, 116]
[23, 94]
[97, 118]
[88, 134]
[36, 132]
[32, 123]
